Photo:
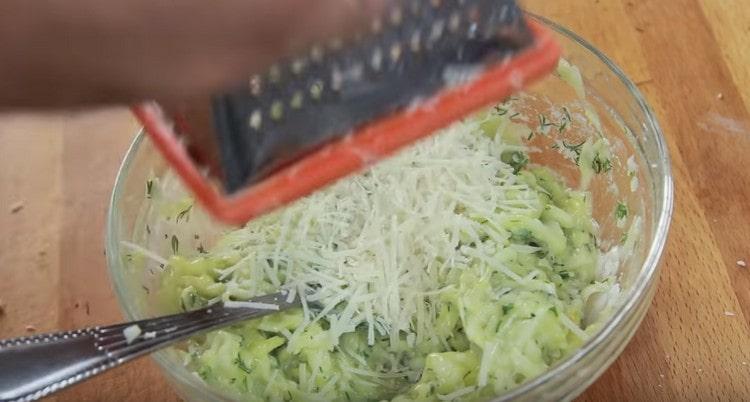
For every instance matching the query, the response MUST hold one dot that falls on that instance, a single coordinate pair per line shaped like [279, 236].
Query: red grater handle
[371, 143]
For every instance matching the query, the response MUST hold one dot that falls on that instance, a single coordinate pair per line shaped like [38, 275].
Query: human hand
[88, 52]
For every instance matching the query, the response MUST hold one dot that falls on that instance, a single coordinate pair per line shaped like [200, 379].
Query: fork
[36, 366]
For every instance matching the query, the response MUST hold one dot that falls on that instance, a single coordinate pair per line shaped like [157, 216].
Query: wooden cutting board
[690, 57]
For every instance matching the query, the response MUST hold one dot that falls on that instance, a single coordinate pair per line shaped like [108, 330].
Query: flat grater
[341, 106]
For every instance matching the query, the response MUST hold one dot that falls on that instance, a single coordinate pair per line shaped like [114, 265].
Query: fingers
[96, 51]
[309, 22]
[291, 24]
[255, 34]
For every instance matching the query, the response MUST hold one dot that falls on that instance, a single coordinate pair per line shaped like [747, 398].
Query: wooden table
[690, 57]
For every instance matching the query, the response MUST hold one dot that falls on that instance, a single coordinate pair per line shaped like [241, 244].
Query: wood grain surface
[690, 57]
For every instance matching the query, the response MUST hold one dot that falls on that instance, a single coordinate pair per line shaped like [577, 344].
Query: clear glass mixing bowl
[626, 121]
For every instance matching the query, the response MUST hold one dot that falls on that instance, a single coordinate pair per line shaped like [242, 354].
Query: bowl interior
[557, 118]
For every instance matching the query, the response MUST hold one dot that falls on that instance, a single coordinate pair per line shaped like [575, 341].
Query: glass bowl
[640, 177]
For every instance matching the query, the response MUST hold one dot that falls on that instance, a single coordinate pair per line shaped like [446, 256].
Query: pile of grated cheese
[371, 248]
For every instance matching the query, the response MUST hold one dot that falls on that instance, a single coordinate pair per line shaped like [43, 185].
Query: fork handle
[36, 366]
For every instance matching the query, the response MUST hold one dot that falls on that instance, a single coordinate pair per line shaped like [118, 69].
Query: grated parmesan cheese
[131, 333]
[365, 242]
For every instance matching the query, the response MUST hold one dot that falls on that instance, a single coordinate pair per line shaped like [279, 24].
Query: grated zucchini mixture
[455, 270]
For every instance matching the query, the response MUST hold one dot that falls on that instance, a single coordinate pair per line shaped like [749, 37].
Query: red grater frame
[370, 143]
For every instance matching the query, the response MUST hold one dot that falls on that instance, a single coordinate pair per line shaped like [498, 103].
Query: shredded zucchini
[456, 270]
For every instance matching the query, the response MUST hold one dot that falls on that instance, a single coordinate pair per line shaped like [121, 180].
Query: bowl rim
[640, 287]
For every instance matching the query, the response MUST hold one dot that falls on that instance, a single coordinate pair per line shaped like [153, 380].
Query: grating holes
[277, 110]
[415, 42]
[437, 30]
[355, 72]
[396, 16]
[504, 12]
[298, 66]
[255, 120]
[316, 53]
[296, 102]
[376, 61]
[316, 90]
[256, 85]
[454, 22]
[395, 52]
[337, 79]
[274, 74]
[472, 32]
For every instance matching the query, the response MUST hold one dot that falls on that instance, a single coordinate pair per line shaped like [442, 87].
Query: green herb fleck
[567, 114]
[522, 236]
[575, 148]
[621, 211]
[565, 275]
[149, 188]
[518, 160]
[204, 372]
[500, 111]
[544, 123]
[148, 229]
[601, 165]
[531, 135]
[175, 244]
[184, 214]
[553, 309]
[507, 308]
[624, 238]
[241, 364]
[565, 122]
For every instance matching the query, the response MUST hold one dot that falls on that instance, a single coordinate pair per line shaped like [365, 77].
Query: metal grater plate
[415, 50]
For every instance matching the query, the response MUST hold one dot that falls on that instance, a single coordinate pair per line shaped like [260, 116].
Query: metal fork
[36, 366]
